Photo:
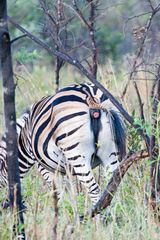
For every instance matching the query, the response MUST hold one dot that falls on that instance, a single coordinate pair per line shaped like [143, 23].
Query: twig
[141, 104]
[17, 38]
[79, 13]
[137, 16]
[128, 82]
[150, 4]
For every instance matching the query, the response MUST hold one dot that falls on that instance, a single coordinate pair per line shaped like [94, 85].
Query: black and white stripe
[68, 129]
[26, 160]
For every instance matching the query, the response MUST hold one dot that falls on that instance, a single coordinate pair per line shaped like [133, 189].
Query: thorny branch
[89, 75]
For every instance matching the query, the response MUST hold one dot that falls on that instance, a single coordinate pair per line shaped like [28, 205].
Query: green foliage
[133, 139]
[23, 56]
[127, 218]
[108, 42]
[67, 205]
[109, 29]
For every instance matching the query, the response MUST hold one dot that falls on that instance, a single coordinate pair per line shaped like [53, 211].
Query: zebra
[78, 128]
[22, 159]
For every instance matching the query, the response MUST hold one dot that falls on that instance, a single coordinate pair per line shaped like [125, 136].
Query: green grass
[127, 218]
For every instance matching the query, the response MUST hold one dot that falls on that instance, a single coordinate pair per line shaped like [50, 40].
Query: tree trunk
[154, 149]
[10, 117]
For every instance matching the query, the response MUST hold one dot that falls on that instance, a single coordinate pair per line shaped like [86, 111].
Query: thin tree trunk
[154, 148]
[10, 120]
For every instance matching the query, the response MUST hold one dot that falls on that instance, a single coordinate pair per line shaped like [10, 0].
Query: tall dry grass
[128, 217]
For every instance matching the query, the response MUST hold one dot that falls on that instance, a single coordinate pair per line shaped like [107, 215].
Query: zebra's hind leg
[85, 175]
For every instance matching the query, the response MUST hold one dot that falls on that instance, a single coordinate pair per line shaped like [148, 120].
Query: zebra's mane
[119, 132]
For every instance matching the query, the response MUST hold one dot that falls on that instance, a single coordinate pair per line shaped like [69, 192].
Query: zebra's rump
[76, 129]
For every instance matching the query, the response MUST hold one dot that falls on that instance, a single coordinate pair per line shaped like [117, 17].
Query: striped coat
[77, 128]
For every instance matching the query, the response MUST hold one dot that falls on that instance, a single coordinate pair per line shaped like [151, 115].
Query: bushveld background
[118, 34]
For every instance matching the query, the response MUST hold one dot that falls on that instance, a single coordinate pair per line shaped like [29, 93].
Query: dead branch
[79, 13]
[90, 76]
[116, 179]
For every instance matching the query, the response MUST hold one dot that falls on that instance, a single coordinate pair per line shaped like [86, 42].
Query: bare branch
[150, 4]
[141, 104]
[137, 16]
[79, 13]
[116, 179]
